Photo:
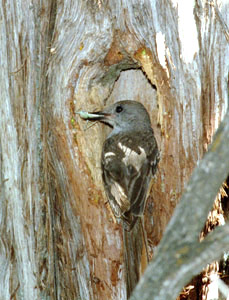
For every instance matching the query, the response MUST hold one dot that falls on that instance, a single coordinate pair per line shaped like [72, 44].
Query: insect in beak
[89, 116]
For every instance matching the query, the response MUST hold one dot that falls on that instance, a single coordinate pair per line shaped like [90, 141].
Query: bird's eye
[119, 109]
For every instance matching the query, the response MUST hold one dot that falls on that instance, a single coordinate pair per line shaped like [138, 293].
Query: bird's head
[123, 116]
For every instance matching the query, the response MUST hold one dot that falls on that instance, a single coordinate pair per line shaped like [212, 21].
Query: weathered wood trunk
[58, 239]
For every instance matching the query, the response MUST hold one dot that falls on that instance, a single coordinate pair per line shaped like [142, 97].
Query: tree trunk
[58, 237]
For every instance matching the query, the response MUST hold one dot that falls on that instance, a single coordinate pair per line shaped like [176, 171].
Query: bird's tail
[135, 255]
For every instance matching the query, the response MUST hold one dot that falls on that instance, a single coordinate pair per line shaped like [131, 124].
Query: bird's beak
[101, 116]
[93, 116]
[98, 116]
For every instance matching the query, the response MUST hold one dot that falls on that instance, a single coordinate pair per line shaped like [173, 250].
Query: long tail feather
[135, 255]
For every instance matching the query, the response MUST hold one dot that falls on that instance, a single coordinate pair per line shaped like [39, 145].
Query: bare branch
[180, 255]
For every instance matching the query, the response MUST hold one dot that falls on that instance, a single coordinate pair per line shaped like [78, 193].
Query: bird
[129, 161]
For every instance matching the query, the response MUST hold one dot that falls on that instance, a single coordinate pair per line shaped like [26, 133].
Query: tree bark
[58, 238]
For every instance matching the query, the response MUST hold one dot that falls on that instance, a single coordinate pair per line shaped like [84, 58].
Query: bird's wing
[127, 171]
[113, 172]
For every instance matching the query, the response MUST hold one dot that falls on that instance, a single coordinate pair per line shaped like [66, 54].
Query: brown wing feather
[127, 171]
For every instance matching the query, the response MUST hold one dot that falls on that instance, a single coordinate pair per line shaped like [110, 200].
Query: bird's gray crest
[122, 116]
